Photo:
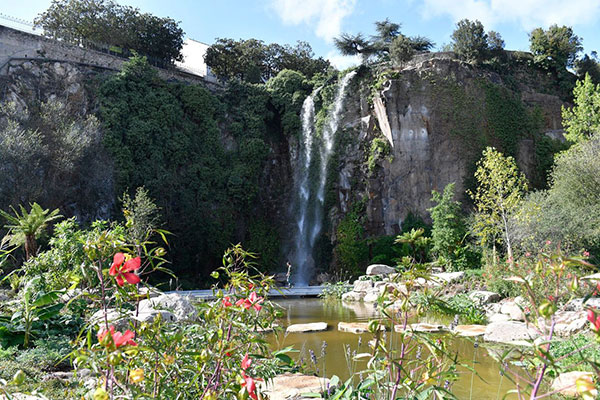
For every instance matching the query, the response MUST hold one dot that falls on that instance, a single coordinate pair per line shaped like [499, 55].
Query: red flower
[246, 362]
[123, 272]
[118, 338]
[250, 386]
[226, 301]
[252, 301]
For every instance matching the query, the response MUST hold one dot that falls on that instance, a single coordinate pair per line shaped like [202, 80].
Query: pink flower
[595, 320]
[548, 242]
[252, 301]
[118, 338]
[250, 386]
[227, 301]
[246, 362]
[586, 253]
[123, 272]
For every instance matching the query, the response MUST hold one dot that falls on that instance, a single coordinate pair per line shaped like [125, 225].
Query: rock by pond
[470, 330]
[293, 386]
[356, 327]
[310, 327]
[509, 332]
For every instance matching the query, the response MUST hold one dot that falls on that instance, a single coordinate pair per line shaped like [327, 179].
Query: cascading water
[310, 198]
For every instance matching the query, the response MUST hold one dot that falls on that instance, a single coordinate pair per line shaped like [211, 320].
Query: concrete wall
[193, 53]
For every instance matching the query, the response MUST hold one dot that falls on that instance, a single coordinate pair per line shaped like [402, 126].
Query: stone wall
[18, 46]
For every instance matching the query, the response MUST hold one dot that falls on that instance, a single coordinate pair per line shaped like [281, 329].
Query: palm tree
[26, 228]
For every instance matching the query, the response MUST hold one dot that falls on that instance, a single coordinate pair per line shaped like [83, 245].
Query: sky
[319, 21]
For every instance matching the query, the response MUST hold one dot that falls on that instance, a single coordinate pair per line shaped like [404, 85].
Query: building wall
[193, 59]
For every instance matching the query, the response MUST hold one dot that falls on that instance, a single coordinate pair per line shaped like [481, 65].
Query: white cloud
[325, 16]
[342, 62]
[528, 14]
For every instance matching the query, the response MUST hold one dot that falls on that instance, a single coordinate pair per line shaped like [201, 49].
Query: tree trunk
[30, 246]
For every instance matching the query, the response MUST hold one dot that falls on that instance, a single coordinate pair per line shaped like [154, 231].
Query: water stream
[315, 153]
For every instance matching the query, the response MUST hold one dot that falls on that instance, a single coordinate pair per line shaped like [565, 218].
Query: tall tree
[469, 40]
[499, 193]
[583, 119]
[448, 228]
[555, 49]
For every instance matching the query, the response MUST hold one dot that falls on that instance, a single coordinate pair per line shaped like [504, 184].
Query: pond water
[488, 385]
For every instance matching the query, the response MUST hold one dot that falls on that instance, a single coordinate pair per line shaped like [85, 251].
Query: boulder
[149, 315]
[568, 322]
[362, 286]
[119, 320]
[371, 297]
[499, 318]
[566, 383]
[448, 277]
[380, 269]
[512, 309]
[353, 296]
[293, 386]
[509, 332]
[178, 304]
[310, 327]
[577, 304]
[482, 297]
[469, 330]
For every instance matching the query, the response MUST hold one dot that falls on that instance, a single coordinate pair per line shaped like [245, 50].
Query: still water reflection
[488, 385]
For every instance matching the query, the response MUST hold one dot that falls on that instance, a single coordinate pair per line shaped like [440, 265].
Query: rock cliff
[436, 115]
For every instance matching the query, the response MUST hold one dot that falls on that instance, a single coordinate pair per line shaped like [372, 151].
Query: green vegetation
[122, 29]
[380, 148]
[201, 187]
[388, 43]
[500, 190]
[583, 119]
[254, 61]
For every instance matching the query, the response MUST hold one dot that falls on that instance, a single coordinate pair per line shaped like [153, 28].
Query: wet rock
[470, 330]
[566, 383]
[380, 269]
[293, 386]
[509, 332]
[178, 304]
[310, 327]
[484, 297]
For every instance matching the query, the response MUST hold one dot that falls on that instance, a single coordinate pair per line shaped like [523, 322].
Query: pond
[488, 385]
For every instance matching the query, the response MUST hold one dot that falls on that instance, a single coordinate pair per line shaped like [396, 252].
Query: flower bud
[19, 377]
[547, 309]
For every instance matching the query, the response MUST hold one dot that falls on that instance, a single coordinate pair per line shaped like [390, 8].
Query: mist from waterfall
[311, 180]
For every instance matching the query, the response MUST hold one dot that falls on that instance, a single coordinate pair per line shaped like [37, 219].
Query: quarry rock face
[425, 112]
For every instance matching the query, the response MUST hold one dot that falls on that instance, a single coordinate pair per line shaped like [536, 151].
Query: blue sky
[318, 21]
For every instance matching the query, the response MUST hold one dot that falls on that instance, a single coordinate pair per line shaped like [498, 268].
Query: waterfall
[310, 197]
